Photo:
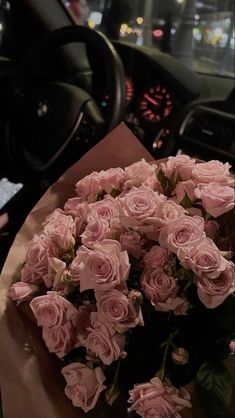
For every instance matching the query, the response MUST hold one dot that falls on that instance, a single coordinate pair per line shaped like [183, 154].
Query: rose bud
[136, 296]
[232, 347]
[180, 356]
[22, 292]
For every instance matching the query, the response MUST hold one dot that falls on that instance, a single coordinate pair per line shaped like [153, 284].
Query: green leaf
[186, 202]
[111, 394]
[214, 389]
[115, 192]
[100, 195]
[175, 179]
[208, 216]
[178, 179]
[163, 180]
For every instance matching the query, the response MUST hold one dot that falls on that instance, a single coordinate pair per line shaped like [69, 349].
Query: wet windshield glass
[199, 33]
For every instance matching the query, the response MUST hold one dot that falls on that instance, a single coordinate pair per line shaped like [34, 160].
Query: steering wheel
[52, 122]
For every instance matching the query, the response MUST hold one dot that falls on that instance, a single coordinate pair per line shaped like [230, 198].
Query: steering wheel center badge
[42, 109]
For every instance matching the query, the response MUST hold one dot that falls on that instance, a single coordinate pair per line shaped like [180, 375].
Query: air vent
[211, 131]
[210, 128]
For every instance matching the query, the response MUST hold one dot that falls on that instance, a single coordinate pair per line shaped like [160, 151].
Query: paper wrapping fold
[30, 381]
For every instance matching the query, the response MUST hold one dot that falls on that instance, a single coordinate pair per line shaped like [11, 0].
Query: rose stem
[168, 343]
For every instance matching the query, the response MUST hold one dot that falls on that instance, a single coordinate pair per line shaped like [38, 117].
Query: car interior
[64, 86]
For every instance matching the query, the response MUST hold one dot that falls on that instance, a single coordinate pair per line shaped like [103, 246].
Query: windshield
[199, 33]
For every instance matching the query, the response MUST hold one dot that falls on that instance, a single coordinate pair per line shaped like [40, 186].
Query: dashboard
[157, 92]
[152, 101]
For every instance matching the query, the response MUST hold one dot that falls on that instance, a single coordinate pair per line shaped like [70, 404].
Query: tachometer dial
[129, 90]
[156, 103]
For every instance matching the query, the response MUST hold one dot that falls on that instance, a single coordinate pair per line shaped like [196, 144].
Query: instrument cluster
[152, 104]
[149, 109]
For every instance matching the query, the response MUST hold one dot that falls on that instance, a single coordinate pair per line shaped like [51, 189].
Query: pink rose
[103, 268]
[211, 229]
[137, 173]
[96, 231]
[112, 179]
[74, 270]
[61, 229]
[176, 304]
[117, 227]
[180, 356]
[183, 188]
[105, 209]
[56, 269]
[167, 212]
[104, 341]
[56, 214]
[182, 307]
[213, 292]
[82, 322]
[156, 257]
[181, 164]
[152, 183]
[217, 199]
[212, 171]
[22, 292]
[52, 309]
[79, 226]
[155, 399]
[204, 259]
[36, 266]
[75, 207]
[84, 385]
[30, 274]
[78, 210]
[131, 242]
[139, 206]
[160, 289]
[89, 187]
[59, 339]
[118, 309]
[182, 232]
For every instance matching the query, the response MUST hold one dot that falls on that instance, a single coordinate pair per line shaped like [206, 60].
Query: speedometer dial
[156, 103]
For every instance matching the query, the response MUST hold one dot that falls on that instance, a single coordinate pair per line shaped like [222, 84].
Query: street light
[139, 20]
[180, 1]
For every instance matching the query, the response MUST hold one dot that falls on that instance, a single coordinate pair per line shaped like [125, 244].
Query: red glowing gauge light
[156, 103]
[129, 90]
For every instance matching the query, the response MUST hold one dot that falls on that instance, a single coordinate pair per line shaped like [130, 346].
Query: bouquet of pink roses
[132, 284]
